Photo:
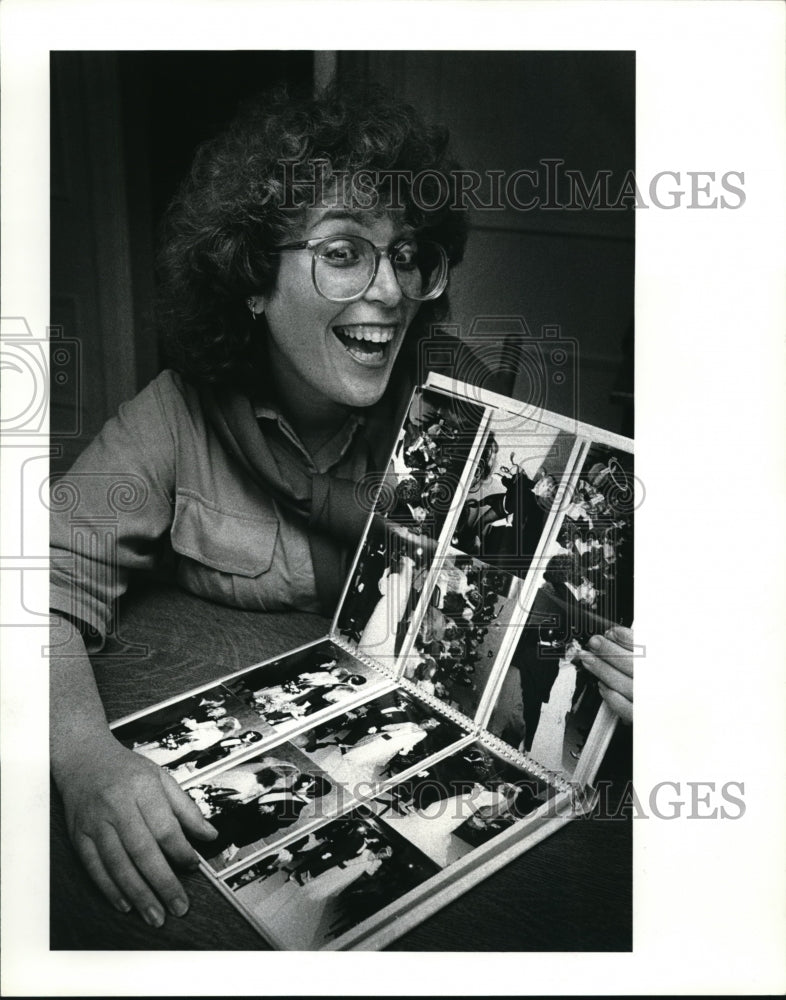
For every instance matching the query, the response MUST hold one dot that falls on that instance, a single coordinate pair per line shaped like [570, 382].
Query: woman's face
[326, 352]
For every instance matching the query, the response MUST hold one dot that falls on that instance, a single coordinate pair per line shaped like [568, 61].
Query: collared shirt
[157, 483]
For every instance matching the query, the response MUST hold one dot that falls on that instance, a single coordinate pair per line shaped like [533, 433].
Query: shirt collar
[330, 453]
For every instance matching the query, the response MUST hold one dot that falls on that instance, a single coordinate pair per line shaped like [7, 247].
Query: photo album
[445, 724]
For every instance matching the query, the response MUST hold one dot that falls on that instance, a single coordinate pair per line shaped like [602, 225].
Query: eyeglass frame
[379, 252]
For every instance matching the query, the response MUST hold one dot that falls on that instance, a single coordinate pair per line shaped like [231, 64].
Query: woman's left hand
[610, 658]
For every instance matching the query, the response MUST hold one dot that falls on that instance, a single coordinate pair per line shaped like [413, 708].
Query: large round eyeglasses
[343, 268]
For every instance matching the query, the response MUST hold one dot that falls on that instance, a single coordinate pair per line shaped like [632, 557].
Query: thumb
[621, 635]
[187, 811]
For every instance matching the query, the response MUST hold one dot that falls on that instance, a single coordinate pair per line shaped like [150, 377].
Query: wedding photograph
[295, 241]
[254, 803]
[283, 693]
[324, 886]
[363, 366]
[460, 803]
[371, 744]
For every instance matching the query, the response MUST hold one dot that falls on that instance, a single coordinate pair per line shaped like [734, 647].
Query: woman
[298, 272]
[190, 735]
[196, 760]
[548, 745]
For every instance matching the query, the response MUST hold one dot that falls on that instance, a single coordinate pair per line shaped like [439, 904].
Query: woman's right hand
[127, 819]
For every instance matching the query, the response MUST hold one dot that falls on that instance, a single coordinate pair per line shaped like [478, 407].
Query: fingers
[617, 702]
[116, 859]
[609, 675]
[622, 635]
[609, 658]
[144, 842]
[612, 652]
[168, 834]
[128, 848]
[96, 870]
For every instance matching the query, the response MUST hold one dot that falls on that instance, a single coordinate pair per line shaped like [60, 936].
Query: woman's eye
[405, 256]
[340, 253]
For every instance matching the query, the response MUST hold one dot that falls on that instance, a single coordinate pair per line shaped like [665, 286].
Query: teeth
[373, 334]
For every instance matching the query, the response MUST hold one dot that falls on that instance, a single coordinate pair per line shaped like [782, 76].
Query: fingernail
[123, 905]
[154, 916]
[594, 642]
[179, 906]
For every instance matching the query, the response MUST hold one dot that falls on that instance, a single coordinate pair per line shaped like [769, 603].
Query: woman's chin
[366, 389]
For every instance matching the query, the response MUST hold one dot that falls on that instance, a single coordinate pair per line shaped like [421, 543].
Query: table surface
[571, 892]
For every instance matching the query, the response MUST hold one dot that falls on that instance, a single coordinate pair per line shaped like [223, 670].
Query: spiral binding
[364, 658]
[498, 746]
[503, 749]
[411, 688]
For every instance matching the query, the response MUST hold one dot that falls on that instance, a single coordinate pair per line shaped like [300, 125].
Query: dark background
[124, 128]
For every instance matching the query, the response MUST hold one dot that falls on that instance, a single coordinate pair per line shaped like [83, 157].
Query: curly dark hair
[247, 191]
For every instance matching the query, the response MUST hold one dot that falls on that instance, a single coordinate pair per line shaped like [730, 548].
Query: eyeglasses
[343, 268]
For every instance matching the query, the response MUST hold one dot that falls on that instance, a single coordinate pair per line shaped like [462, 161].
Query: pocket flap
[230, 542]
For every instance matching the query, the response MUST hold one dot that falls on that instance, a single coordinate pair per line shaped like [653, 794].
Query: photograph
[194, 732]
[258, 258]
[512, 492]
[429, 462]
[377, 611]
[342, 346]
[378, 740]
[549, 699]
[253, 804]
[283, 693]
[427, 472]
[459, 803]
[467, 619]
[323, 886]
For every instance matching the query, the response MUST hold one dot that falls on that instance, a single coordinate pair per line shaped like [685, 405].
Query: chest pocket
[239, 544]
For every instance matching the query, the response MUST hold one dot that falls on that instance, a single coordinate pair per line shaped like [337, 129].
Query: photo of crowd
[429, 459]
[424, 475]
[548, 700]
[461, 631]
[322, 886]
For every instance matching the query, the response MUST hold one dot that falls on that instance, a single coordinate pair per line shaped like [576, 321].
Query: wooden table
[572, 892]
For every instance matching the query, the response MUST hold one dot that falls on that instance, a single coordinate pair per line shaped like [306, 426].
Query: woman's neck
[314, 418]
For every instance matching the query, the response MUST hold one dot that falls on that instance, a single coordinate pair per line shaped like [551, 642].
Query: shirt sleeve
[112, 511]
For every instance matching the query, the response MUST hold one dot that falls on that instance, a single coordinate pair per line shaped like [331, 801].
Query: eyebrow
[359, 216]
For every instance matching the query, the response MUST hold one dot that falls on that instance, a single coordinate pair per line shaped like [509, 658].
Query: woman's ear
[256, 305]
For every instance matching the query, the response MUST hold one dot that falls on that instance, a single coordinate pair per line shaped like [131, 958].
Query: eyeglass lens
[344, 267]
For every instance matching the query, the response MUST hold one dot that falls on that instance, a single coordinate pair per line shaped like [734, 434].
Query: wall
[573, 269]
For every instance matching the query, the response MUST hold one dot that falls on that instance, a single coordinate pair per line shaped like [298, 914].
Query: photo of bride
[327, 883]
[298, 686]
[191, 726]
[548, 700]
[378, 740]
[254, 803]
[459, 803]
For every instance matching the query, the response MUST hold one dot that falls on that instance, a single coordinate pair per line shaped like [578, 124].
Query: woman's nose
[385, 287]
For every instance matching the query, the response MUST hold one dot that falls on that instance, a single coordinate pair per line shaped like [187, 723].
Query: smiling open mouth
[365, 343]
